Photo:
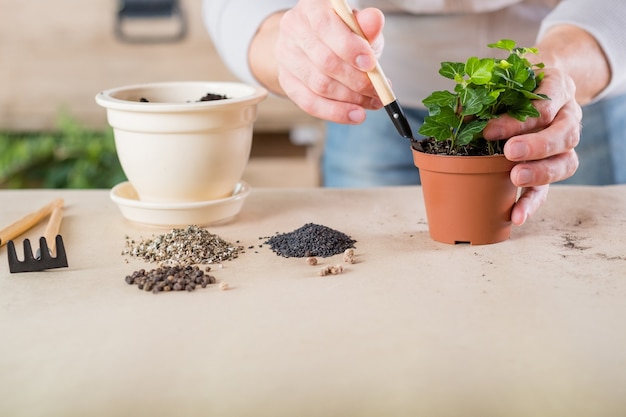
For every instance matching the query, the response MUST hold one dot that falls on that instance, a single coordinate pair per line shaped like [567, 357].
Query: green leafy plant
[70, 157]
[485, 89]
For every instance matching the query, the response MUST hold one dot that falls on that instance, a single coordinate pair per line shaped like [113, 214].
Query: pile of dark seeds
[190, 246]
[172, 278]
[310, 240]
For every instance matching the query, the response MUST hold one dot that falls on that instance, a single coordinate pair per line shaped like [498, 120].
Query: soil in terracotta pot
[206, 97]
[432, 146]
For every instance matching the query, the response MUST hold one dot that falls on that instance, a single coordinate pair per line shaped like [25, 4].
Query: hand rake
[48, 243]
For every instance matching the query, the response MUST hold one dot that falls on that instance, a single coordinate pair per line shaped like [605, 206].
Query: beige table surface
[534, 326]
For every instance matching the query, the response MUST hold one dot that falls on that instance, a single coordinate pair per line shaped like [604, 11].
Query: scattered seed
[331, 270]
[311, 260]
[224, 286]
[348, 256]
[337, 269]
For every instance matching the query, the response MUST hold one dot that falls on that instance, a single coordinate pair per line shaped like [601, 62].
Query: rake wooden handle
[52, 229]
[25, 223]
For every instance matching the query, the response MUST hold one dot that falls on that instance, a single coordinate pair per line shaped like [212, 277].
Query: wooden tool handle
[376, 76]
[52, 229]
[25, 223]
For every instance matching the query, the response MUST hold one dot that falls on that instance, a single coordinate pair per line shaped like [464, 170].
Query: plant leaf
[480, 71]
[439, 99]
[506, 44]
[468, 132]
[533, 96]
[523, 111]
[449, 117]
[473, 100]
[434, 128]
[452, 69]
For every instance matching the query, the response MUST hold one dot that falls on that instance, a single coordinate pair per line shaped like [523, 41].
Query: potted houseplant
[466, 179]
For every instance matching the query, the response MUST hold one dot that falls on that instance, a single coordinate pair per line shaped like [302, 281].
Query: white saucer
[201, 213]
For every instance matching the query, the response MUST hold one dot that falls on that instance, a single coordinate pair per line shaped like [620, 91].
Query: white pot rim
[238, 94]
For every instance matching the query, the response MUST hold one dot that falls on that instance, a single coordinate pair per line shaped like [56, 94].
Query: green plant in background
[71, 157]
[485, 89]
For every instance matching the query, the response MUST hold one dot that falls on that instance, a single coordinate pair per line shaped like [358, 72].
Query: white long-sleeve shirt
[419, 34]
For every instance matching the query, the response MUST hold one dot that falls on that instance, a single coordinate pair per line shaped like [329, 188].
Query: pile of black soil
[310, 240]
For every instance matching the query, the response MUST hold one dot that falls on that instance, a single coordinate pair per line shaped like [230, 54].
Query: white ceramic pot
[176, 149]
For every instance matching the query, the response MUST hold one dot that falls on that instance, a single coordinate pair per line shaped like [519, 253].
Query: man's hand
[544, 146]
[322, 64]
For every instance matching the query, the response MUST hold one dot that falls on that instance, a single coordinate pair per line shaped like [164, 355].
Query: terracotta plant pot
[468, 198]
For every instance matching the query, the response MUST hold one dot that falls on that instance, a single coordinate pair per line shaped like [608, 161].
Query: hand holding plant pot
[544, 147]
[486, 88]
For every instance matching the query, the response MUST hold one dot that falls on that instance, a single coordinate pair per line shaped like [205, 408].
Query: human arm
[263, 63]
[232, 24]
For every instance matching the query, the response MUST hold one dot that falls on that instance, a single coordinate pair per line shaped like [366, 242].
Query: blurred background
[56, 56]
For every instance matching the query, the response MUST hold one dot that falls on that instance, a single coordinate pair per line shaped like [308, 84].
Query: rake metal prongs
[32, 263]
